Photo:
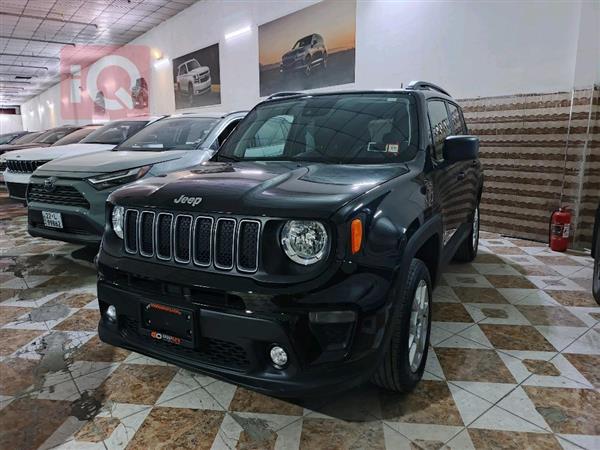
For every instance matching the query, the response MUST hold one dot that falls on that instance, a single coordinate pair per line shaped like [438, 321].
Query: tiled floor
[515, 364]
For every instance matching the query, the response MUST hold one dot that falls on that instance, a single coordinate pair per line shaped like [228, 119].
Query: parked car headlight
[118, 218]
[305, 241]
[118, 178]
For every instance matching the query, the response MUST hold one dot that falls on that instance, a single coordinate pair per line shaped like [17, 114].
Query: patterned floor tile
[510, 281]
[574, 298]
[250, 401]
[137, 384]
[550, 315]
[570, 411]
[431, 402]
[461, 364]
[96, 350]
[84, 319]
[16, 375]
[330, 433]
[27, 423]
[483, 313]
[450, 312]
[587, 365]
[494, 439]
[516, 337]
[12, 340]
[178, 428]
[478, 295]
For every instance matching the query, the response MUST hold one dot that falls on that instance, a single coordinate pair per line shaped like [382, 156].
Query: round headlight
[118, 215]
[304, 241]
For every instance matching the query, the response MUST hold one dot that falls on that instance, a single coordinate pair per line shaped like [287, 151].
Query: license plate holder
[168, 324]
[52, 219]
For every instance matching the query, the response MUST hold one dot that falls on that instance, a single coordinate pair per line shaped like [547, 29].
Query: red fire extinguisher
[560, 228]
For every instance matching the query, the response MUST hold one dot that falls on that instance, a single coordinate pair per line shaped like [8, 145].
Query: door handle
[460, 176]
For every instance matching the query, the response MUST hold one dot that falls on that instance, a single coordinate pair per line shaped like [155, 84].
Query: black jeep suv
[302, 258]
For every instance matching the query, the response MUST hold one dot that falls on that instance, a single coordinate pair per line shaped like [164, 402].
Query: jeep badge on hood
[188, 200]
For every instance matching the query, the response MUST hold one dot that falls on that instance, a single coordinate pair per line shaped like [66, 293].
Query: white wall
[471, 48]
[10, 123]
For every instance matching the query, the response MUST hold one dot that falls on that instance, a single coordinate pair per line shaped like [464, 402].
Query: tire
[398, 370]
[468, 249]
[190, 93]
[308, 67]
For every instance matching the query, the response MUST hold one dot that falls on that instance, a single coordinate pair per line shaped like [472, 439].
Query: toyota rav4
[302, 258]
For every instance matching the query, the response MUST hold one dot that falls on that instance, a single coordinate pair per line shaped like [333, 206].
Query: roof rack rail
[284, 94]
[426, 85]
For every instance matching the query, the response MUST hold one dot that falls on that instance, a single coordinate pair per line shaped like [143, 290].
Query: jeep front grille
[19, 166]
[57, 195]
[223, 243]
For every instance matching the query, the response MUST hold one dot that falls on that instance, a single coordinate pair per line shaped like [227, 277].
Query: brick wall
[524, 139]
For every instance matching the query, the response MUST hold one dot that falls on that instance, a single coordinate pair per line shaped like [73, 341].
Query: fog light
[111, 313]
[278, 356]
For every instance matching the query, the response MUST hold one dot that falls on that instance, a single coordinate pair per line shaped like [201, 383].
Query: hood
[10, 148]
[50, 153]
[293, 52]
[275, 188]
[105, 162]
[199, 70]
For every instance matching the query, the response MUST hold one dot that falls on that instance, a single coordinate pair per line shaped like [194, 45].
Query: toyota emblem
[50, 184]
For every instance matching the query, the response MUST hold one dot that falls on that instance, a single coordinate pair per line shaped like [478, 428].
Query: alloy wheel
[419, 325]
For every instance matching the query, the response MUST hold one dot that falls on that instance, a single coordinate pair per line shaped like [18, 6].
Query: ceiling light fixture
[237, 33]
[162, 62]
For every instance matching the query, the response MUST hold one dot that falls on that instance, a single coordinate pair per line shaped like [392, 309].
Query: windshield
[51, 136]
[181, 133]
[302, 42]
[6, 138]
[74, 137]
[27, 138]
[193, 64]
[115, 132]
[369, 128]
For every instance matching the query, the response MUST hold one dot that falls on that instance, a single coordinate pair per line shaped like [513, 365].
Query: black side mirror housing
[461, 148]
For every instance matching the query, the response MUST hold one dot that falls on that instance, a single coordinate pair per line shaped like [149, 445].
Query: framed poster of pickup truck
[197, 78]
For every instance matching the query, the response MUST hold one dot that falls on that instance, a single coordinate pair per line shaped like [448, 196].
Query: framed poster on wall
[308, 49]
[197, 78]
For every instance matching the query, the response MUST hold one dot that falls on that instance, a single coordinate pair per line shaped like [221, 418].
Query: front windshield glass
[6, 138]
[51, 136]
[370, 128]
[27, 138]
[302, 42]
[115, 132]
[74, 137]
[193, 64]
[177, 133]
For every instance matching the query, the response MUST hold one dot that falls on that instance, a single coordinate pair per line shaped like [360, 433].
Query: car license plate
[168, 324]
[52, 219]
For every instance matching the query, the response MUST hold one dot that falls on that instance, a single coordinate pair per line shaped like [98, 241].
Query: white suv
[193, 78]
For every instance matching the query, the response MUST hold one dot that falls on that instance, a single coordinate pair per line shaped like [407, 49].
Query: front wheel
[468, 249]
[596, 282]
[404, 361]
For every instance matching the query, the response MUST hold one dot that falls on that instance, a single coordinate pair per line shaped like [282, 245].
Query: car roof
[208, 114]
[424, 92]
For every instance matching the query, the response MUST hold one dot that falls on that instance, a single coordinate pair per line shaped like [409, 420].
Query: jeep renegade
[301, 259]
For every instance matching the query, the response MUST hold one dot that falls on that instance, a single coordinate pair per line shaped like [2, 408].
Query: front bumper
[16, 183]
[202, 86]
[234, 332]
[82, 225]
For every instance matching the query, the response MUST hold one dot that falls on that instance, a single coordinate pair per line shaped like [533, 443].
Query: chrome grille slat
[24, 166]
[220, 243]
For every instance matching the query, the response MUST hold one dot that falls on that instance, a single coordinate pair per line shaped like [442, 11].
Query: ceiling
[33, 33]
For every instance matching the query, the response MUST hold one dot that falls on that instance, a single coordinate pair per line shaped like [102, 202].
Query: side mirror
[460, 148]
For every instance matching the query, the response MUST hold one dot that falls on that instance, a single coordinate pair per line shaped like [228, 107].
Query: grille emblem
[50, 184]
[188, 200]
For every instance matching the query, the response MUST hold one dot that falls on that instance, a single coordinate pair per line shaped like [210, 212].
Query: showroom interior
[248, 224]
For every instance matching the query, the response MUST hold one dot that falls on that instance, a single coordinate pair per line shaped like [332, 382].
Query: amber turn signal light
[356, 233]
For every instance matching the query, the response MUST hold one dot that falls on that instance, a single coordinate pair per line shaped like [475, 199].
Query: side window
[440, 126]
[269, 140]
[182, 70]
[456, 120]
